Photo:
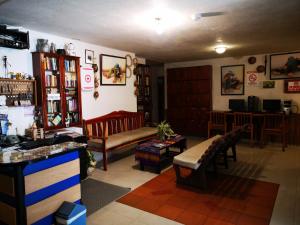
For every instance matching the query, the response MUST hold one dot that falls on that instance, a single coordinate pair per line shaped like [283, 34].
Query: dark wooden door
[189, 94]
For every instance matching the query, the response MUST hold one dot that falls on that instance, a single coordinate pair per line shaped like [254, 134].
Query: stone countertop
[27, 156]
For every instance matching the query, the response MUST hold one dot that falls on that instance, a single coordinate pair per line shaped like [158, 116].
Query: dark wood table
[155, 152]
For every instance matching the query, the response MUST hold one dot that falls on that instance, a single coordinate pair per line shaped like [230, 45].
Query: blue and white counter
[34, 183]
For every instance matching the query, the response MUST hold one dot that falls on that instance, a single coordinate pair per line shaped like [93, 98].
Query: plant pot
[90, 170]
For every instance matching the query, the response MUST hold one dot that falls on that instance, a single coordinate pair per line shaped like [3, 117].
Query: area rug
[229, 200]
[97, 194]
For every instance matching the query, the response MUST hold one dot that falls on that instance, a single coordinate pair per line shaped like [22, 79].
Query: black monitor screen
[237, 105]
[272, 105]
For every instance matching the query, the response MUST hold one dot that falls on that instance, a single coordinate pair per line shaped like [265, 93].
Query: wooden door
[189, 95]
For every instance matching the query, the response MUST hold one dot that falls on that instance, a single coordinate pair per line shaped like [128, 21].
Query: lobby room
[157, 112]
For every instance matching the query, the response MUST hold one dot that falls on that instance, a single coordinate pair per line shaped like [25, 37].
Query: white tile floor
[268, 164]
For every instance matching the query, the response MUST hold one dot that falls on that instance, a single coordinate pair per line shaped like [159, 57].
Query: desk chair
[275, 124]
[217, 121]
[240, 120]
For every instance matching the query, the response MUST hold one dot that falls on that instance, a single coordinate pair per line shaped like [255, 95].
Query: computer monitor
[272, 105]
[237, 105]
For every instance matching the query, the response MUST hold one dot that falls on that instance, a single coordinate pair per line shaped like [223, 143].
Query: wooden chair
[275, 124]
[217, 121]
[240, 120]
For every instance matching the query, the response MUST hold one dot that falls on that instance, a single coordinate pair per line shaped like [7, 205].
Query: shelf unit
[58, 86]
[144, 99]
[18, 92]
[12, 38]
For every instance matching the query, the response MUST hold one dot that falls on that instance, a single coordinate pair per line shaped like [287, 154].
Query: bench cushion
[190, 158]
[123, 137]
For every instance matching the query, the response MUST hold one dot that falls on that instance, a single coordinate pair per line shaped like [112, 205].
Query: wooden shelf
[17, 80]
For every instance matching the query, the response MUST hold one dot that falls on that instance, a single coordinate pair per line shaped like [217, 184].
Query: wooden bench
[190, 166]
[116, 130]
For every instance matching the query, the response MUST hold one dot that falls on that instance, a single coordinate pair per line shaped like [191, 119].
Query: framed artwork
[112, 70]
[269, 84]
[292, 86]
[89, 56]
[232, 80]
[285, 66]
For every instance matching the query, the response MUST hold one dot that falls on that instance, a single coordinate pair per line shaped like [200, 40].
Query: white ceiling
[248, 26]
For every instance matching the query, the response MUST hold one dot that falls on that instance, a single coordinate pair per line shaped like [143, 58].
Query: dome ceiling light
[220, 48]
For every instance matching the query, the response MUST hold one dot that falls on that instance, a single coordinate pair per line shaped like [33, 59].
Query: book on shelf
[53, 106]
[147, 80]
[51, 80]
[50, 63]
[56, 120]
[70, 66]
[53, 96]
[70, 81]
[72, 105]
[74, 117]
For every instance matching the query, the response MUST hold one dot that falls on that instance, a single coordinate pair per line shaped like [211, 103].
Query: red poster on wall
[252, 78]
[292, 86]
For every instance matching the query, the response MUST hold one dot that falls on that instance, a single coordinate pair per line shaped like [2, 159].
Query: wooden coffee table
[155, 152]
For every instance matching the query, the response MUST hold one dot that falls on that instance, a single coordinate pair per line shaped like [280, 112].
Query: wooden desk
[258, 123]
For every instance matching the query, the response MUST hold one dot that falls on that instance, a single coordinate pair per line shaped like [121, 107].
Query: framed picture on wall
[285, 66]
[89, 56]
[232, 80]
[292, 86]
[112, 70]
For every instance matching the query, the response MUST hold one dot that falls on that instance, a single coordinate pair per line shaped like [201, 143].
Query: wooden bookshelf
[58, 89]
[144, 99]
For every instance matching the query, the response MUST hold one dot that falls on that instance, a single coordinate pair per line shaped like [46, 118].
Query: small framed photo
[89, 56]
[285, 66]
[292, 86]
[269, 84]
[232, 80]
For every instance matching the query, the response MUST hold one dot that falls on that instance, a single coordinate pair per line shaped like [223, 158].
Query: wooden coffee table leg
[158, 169]
[142, 166]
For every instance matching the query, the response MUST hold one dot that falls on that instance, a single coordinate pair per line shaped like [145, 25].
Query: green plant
[164, 129]
[91, 162]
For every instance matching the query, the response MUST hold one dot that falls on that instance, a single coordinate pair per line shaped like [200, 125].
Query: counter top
[27, 156]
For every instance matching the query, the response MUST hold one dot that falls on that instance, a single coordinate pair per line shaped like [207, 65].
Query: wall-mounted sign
[87, 79]
[292, 86]
[251, 78]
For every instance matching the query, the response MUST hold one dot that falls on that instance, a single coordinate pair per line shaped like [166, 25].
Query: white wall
[221, 102]
[111, 97]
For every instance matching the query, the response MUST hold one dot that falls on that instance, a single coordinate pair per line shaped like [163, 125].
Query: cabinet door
[71, 85]
[51, 83]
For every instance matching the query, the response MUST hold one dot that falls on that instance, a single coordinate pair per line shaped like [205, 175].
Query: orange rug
[230, 200]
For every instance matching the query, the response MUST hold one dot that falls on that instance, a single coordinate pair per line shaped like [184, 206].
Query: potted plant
[91, 162]
[164, 130]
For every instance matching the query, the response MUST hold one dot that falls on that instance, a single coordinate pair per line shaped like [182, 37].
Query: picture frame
[112, 70]
[268, 84]
[285, 66]
[233, 79]
[89, 56]
[292, 86]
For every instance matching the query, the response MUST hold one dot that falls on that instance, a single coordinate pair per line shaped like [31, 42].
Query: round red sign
[88, 78]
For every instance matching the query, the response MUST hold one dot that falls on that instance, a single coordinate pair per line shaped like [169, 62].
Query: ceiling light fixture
[220, 48]
[158, 26]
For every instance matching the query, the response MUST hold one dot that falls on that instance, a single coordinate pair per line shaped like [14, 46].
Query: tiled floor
[268, 164]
